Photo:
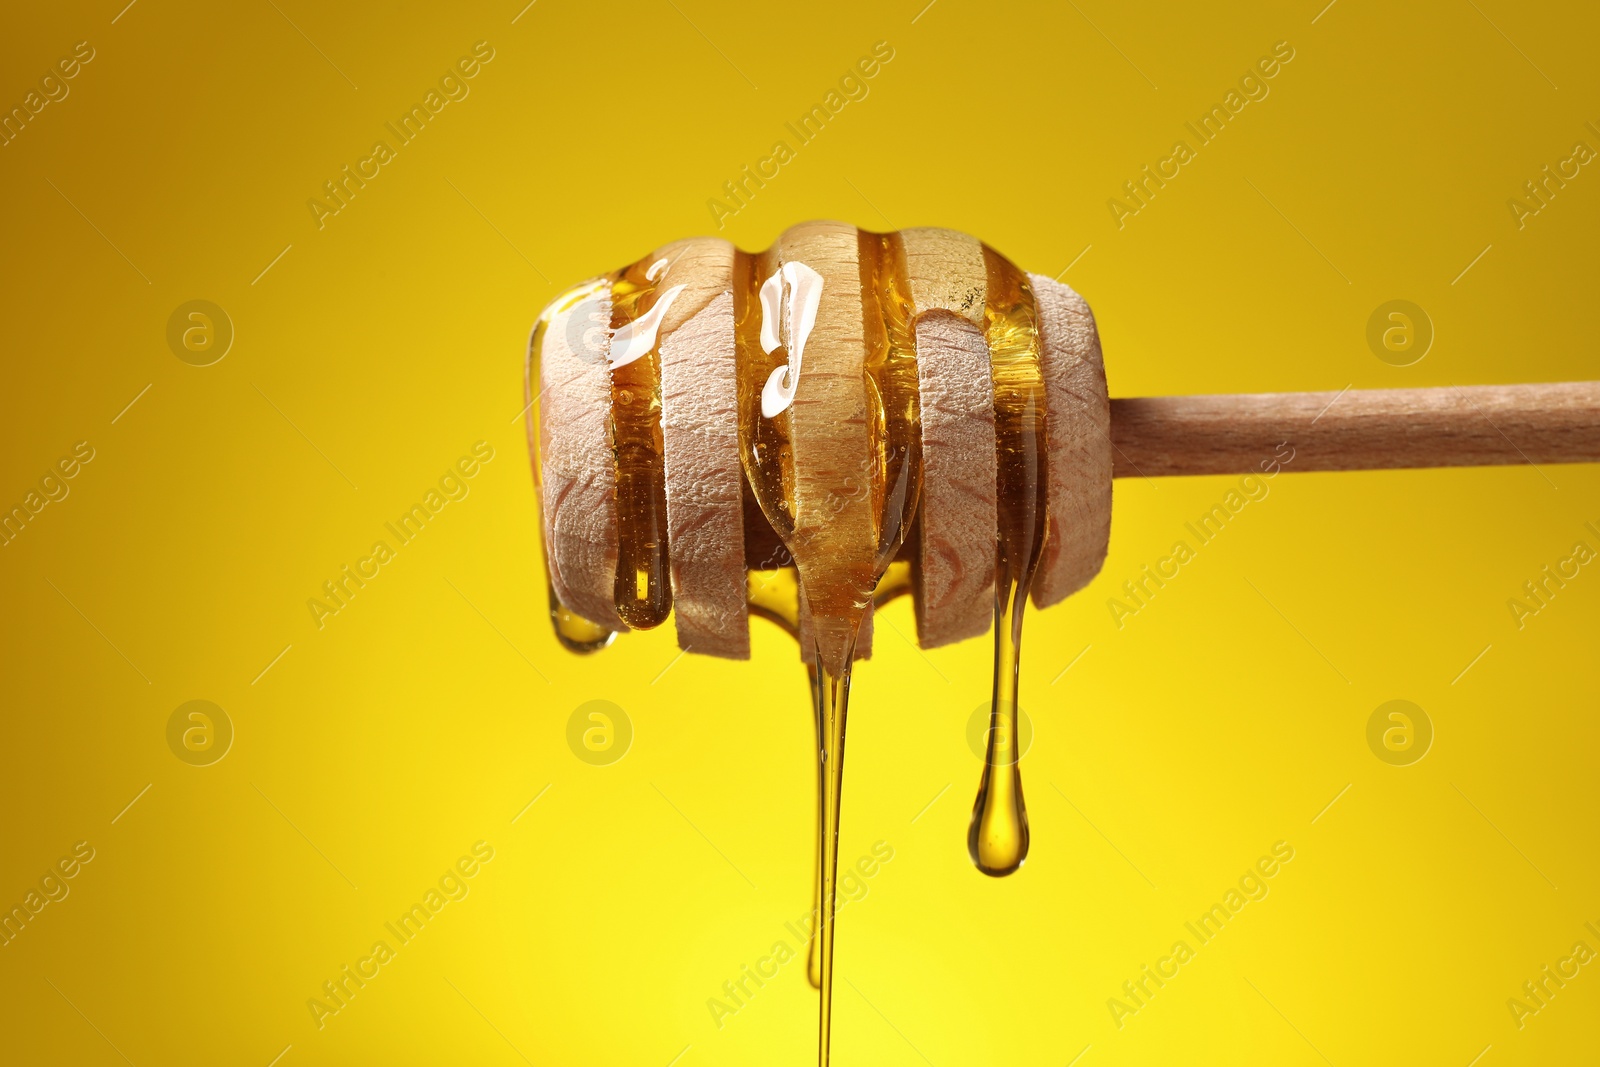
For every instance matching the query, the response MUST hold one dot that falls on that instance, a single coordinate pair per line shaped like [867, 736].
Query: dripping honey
[997, 838]
[643, 593]
[839, 568]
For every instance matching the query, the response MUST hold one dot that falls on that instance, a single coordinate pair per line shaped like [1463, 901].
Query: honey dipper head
[846, 395]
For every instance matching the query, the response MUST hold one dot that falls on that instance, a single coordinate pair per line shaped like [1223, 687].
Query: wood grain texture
[954, 563]
[1078, 416]
[703, 266]
[953, 574]
[945, 272]
[705, 484]
[579, 473]
[1451, 426]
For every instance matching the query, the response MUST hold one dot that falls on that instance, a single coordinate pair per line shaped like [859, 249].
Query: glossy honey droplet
[997, 837]
[576, 633]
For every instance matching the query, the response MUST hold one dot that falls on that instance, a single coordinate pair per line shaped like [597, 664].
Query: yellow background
[426, 714]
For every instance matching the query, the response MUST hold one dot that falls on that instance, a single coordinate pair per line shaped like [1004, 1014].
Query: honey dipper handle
[1453, 426]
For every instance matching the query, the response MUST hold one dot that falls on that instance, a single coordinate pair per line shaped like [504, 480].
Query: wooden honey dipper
[643, 365]
[847, 399]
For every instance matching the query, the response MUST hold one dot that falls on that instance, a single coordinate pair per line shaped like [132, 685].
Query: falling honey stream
[837, 570]
[775, 596]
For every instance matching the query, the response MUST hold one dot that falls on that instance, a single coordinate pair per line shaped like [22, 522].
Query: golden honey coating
[838, 473]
